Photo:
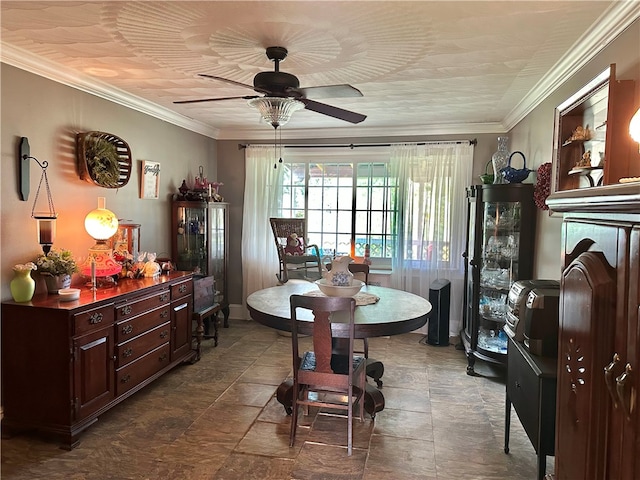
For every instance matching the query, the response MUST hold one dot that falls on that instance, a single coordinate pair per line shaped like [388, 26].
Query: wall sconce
[101, 224]
[634, 128]
[46, 219]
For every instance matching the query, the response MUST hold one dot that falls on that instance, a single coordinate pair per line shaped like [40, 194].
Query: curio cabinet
[500, 238]
[199, 243]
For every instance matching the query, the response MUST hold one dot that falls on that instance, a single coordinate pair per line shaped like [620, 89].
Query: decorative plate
[103, 159]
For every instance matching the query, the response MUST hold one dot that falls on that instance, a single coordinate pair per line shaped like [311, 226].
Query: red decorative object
[543, 186]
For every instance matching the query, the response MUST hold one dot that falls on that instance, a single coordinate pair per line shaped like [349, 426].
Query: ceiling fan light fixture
[276, 111]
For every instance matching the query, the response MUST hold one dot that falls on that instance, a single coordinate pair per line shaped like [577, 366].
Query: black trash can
[440, 299]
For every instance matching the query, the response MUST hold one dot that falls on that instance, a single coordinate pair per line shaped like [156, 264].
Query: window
[348, 198]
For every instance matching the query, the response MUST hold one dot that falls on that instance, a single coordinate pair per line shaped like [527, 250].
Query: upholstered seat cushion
[338, 362]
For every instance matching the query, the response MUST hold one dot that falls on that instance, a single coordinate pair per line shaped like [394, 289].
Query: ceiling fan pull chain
[275, 145]
[280, 160]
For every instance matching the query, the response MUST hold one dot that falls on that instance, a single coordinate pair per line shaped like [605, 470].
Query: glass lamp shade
[276, 110]
[101, 223]
[634, 126]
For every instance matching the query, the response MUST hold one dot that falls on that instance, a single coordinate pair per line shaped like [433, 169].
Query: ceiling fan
[279, 85]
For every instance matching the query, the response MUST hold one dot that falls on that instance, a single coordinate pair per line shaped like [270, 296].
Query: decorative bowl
[339, 291]
[69, 294]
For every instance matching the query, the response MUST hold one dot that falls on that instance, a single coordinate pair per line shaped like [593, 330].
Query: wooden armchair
[298, 260]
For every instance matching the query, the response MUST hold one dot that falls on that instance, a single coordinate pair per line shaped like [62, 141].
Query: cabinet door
[587, 326]
[627, 385]
[93, 371]
[217, 250]
[189, 236]
[181, 312]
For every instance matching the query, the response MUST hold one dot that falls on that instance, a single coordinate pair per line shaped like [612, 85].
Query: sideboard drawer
[133, 349]
[90, 320]
[142, 304]
[181, 289]
[138, 371]
[137, 325]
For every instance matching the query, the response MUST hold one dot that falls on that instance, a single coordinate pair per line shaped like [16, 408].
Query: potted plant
[56, 267]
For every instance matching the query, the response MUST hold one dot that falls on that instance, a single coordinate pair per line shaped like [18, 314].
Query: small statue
[151, 267]
[183, 188]
[580, 133]
[585, 161]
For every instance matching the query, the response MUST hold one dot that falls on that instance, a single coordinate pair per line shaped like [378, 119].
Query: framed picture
[150, 180]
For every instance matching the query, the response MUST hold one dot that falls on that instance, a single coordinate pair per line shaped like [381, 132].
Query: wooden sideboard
[66, 363]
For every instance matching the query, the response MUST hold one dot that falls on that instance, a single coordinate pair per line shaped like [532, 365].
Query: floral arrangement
[24, 267]
[543, 186]
[56, 262]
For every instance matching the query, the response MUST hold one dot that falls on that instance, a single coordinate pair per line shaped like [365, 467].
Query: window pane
[330, 215]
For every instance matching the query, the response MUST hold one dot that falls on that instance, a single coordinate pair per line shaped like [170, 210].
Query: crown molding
[25, 60]
[611, 23]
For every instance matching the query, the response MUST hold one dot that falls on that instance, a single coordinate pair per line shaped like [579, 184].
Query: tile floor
[219, 419]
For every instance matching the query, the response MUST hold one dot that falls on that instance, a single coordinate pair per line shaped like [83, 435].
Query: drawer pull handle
[127, 329]
[125, 379]
[95, 318]
[608, 378]
[164, 334]
[127, 353]
[164, 314]
[126, 310]
[182, 288]
[164, 297]
[628, 400]
[163, 357]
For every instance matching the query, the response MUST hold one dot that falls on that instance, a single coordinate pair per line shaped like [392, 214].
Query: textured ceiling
[423, 67]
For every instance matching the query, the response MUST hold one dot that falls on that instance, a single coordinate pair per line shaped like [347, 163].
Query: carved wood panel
[587, 312]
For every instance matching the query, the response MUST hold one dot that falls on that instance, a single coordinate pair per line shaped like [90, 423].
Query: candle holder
[46, 218]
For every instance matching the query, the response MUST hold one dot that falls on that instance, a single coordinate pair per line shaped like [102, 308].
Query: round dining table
[394, 313]
[381, 311]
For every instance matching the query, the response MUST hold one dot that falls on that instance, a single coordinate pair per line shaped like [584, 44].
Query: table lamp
[101, 224]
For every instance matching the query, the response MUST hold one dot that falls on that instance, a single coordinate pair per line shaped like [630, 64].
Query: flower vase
[56, 282]
[22, 286]
[500, 160]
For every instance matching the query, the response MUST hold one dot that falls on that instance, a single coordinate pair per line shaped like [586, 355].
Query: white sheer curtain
[261, 188]
[431, 223]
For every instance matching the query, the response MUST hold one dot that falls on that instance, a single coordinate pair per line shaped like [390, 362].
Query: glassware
[500, 160]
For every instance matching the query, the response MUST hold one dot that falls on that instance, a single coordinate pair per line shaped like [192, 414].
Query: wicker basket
[111, 170]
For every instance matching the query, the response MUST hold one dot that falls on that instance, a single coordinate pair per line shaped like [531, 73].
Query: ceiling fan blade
[232, 82]
[330, 91]
[331, 111]
[246, 97]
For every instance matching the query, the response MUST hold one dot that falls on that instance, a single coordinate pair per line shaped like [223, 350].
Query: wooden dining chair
[375, 369]
[330, 376]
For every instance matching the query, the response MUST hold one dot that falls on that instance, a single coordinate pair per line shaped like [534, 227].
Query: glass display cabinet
[501, 222]
[200, 243]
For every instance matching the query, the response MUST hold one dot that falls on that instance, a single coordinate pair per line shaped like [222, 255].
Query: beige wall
[534, 134]
[50, 114]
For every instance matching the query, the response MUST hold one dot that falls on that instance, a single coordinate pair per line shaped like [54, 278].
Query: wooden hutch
[597, 420]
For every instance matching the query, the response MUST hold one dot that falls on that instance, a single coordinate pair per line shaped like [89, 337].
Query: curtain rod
[352, 146]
